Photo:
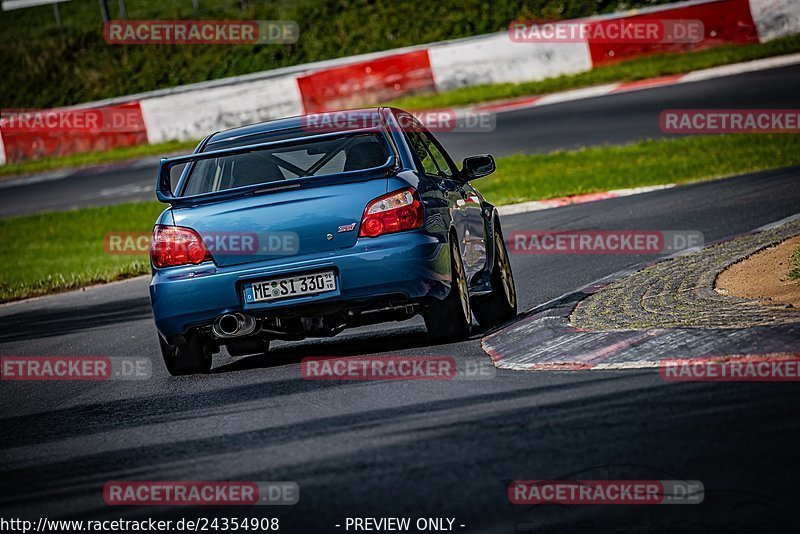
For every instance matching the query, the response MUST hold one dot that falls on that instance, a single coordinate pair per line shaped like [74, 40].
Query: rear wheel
[194, 357]
[450, 319]
[501, 305]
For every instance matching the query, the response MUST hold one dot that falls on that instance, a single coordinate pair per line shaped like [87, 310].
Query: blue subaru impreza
[303, 227]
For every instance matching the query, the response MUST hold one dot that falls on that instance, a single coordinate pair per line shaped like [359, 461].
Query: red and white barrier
[195, 114]
[775, 18]
[724, 22]
[366, 82]
[36, 134]
[192, 112]
[496, 59]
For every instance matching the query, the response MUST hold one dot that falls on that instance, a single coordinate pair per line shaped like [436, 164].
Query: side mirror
[477, 166]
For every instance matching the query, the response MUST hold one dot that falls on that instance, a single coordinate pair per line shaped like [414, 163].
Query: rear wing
[165, 194]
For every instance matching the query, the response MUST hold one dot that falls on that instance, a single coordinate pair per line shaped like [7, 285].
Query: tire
[450, 319]
[192, 358]
[501, 305]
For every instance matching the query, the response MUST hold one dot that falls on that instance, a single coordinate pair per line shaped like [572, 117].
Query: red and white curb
[543, 339]
[624, 87]
[537, 205]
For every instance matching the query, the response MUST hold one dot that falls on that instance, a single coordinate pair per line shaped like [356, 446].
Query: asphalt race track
[421, 449]
[416, 448]
[613, 119]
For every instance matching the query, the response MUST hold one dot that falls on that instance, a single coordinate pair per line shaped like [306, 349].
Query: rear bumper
[413, 264]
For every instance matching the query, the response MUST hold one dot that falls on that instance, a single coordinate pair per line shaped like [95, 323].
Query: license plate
[290, 286]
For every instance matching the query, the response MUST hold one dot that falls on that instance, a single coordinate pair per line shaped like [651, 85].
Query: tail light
[175, 245]
[395, 212]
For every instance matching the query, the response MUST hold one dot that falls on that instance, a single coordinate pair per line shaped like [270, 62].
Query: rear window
[303, 159]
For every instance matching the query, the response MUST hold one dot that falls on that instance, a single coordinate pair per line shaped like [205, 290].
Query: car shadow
[360, 344]
[37, 324]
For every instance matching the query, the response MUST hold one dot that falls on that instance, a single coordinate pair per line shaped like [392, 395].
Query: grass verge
[636, 69]
[58, 251]
[794, 274]
[66, 250]
[685, 159]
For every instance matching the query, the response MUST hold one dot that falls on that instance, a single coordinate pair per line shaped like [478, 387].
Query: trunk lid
[283, 223]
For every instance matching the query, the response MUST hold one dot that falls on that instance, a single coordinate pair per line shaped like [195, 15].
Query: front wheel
[450, 319]
[501, 305]
[194, 357]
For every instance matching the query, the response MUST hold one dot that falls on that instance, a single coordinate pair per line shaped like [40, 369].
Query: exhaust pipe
[234, 325]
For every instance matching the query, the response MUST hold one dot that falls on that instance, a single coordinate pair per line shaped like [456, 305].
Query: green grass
[794, 274]
[95, 158]
[636, 69]
[521, 178]
[59, 251]
[47, 67]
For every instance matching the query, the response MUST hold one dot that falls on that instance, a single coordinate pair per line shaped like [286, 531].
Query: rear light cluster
[174, 245]
[395, 212]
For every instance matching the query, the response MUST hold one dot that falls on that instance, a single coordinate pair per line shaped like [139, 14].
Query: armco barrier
[36, 134]
[775, 18]
[496, 59]
[366, 82]
[195, 114]
[724, 22]
[193, 111]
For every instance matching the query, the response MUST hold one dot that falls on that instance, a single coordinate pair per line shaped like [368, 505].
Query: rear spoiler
[164, 183]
